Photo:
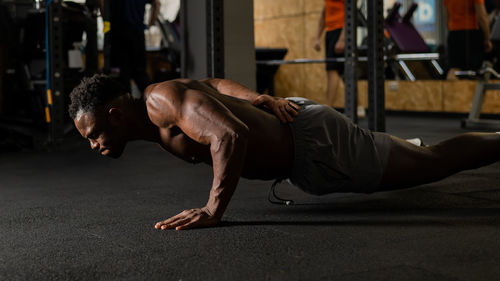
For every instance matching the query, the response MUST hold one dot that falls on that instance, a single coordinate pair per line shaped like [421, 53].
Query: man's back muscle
[269, 149]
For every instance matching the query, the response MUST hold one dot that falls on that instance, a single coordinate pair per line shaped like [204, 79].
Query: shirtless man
[228, 126]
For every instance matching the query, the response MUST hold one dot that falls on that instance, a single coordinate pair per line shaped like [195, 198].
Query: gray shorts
[332, 154]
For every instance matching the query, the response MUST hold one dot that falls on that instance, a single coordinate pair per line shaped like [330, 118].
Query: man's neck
[141, 127]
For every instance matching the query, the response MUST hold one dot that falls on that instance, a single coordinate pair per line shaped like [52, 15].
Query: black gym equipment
[202, 48]
[22, 73]
[66, 22]
[36, 82]
[170, 51]
[376, 75]
[473, 120]
[407, 44]
[266, 69]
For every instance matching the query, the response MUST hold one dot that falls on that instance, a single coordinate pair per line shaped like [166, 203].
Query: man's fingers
[159, 224]
[186, 217]
[286, 114]
[171, 220]
[166, 222]
[187, 223]
[294, 106]
[173, 224]
[279, 114]
[292, 110]
[177, 223]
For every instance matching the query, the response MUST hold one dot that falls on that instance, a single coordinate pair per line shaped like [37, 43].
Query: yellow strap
[47, 115]
[49, 97]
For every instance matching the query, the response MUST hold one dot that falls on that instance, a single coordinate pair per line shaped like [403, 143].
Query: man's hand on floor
[199, 217]
[284, 109]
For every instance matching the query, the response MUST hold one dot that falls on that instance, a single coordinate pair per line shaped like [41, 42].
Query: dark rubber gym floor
[71, 214]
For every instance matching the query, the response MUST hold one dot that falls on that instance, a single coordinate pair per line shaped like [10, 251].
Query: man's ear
[115, 115]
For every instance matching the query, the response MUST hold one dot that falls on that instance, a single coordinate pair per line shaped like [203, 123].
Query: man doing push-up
[244, 134]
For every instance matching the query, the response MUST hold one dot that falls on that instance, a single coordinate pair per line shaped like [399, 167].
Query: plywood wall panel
[414, 96]
[285, 32]
[339, 101]
[315, 83]
[289, 28]
[270, 9]
[458, 95]
[314, 6]
[288, 82]
[315, 74]
[491, 102]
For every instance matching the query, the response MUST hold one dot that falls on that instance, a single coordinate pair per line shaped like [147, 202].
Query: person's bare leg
[332, 86]
[409, 165]
[451, 74]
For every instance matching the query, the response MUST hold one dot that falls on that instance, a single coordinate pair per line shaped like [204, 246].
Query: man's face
[105, 137]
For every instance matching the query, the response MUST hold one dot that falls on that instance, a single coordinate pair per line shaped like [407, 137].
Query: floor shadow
[389, 217]
[384, 208]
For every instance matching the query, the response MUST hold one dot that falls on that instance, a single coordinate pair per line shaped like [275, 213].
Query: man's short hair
[93, 92]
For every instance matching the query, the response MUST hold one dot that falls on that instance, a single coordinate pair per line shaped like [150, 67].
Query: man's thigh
[409, 165]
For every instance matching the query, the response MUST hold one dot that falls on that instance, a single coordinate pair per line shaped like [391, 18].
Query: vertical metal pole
[477, 102]
[106, 17]
[183, 31]
[441, 25]
[184, 41]
[351, 60]
[48, 105]
[91, 52]
[56, 62]
[376, 75]
[215, 38]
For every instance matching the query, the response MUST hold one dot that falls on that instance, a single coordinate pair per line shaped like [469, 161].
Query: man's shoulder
[162, 102]
[166, 88]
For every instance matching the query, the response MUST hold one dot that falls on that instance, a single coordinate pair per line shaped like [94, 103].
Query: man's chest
[179, 144]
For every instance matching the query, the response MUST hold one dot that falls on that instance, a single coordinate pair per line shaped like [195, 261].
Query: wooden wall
[430, 95]
[292, 24]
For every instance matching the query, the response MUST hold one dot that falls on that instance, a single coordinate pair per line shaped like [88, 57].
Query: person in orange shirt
[469, 34]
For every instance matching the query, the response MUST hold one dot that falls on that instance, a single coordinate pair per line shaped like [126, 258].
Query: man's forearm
[231, 88]
[228, 155]
[283, 109]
